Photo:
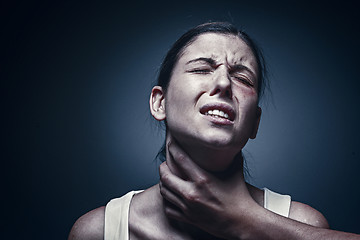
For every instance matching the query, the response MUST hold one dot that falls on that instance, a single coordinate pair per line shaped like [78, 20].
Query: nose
[222, 84]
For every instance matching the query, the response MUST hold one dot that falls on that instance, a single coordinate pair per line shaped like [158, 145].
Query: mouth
[218, 110]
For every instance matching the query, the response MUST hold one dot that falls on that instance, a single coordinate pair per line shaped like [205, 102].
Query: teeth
[218, 113]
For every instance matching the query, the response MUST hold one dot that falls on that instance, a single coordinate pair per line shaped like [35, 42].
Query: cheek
[184, 90]
[247, 99]
[177, 103]
[175, 99]
[246, 95]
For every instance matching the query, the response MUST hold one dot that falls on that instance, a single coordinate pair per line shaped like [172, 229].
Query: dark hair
[190, 36]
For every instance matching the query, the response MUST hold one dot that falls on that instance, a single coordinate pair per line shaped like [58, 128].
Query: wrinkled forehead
[223, 48]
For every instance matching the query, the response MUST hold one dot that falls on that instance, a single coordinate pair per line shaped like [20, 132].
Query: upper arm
[90, 226]
[306, 214]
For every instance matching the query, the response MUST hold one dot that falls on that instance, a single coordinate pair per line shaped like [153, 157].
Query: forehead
[222, 48]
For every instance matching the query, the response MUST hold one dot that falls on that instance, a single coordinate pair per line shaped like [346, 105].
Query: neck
[233, 169]
[214, 160]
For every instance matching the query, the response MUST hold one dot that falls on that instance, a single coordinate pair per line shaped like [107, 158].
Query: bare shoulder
[306, 214]
[90, 226]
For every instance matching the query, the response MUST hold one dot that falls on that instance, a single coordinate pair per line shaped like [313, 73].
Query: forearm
[267, 225]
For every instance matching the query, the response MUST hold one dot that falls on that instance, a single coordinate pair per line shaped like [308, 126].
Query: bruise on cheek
[252, 92]
[247, 94]
[248, 91]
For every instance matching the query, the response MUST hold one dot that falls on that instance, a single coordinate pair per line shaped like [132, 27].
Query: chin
[219, 144]
[223, 143]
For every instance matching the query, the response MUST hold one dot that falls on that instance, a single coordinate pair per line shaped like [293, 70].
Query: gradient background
[76, 78]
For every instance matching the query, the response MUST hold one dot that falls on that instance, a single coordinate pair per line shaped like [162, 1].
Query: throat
[210, 159]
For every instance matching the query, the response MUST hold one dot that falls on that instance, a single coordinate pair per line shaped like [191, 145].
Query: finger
[170, 196]
[173, 212]
[172, 182]
[183, 161]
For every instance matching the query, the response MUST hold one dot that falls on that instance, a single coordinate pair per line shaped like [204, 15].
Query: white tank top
[117, 212]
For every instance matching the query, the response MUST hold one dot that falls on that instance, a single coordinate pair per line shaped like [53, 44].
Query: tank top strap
[117, 216]
[277, 203]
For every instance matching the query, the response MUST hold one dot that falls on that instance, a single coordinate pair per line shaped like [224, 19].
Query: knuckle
[202, 181]
[192, 197]
[180, 157]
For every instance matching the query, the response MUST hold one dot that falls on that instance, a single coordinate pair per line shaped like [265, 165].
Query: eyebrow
[202, 59]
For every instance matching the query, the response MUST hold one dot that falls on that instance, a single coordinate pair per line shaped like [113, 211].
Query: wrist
[248, 225]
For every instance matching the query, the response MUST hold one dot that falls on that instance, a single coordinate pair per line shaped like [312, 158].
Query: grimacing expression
[212, 96]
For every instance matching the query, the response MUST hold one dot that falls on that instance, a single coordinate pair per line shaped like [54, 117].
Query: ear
[256, 127]
[157, 103]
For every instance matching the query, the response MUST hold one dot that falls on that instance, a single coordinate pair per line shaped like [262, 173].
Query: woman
[208, 92]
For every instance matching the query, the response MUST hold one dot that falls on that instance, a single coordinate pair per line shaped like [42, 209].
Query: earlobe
[256, 127]
[157, 103]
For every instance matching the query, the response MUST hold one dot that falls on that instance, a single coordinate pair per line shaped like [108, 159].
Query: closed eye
[242, 74]
[200, 71]
[244, 80]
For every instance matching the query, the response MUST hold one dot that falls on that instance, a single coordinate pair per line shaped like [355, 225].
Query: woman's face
[212, 95]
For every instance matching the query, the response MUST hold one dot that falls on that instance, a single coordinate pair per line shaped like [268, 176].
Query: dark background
[75, 82]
